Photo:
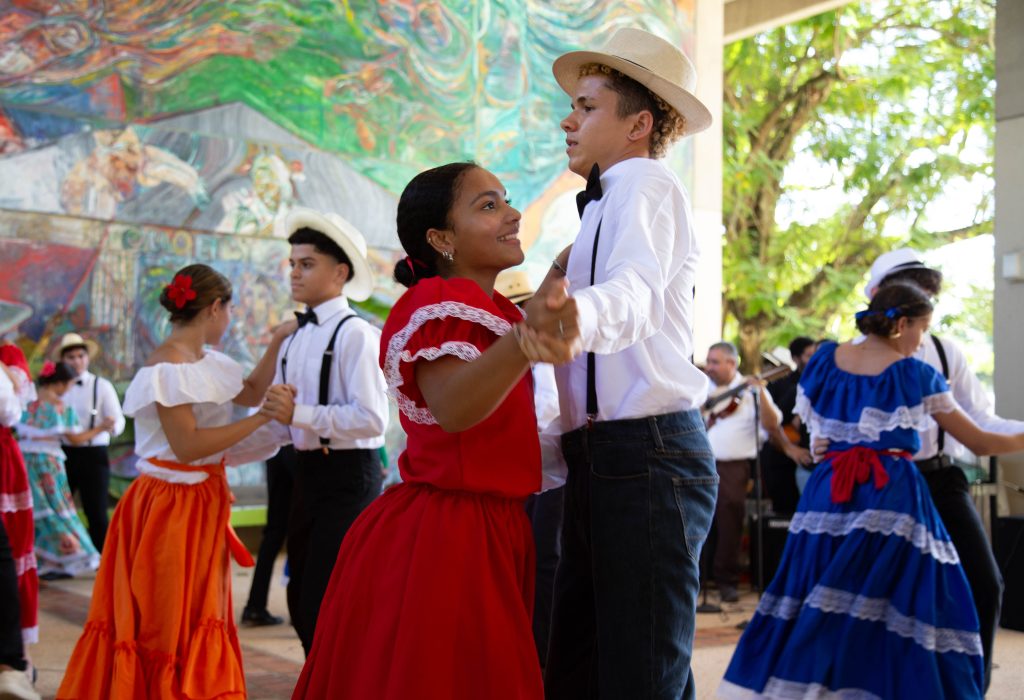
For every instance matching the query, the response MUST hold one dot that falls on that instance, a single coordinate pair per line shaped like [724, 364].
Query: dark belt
[933, 464]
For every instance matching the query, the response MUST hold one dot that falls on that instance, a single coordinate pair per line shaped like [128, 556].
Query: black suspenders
[591, 360]
[92, 413]
[325, 370]
[325, 373]
[945, 373]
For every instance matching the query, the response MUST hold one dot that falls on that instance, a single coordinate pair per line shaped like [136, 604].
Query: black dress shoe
[260, 618]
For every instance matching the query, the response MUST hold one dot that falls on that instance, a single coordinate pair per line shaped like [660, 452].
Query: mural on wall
[138, 137]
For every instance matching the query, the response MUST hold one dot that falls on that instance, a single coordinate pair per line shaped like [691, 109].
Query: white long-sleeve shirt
[638, 316]
[732, 437]
[356, 414]
[79, 396]
[969, 394]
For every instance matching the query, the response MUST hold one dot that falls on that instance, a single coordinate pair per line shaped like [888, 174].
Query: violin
[734, 396]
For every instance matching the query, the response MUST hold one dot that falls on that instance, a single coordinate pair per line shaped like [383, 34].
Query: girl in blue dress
[870, 600]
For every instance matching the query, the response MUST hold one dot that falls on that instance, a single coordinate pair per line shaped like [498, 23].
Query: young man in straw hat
[338, 409]
[96, 404]
[641, 481]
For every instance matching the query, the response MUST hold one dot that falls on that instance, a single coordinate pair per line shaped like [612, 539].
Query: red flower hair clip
[49, 369]
[180, 291]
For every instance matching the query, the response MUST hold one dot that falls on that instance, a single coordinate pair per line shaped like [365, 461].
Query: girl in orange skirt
[160, 625]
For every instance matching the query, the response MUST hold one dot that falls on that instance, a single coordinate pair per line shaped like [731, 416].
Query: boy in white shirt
[641, 481]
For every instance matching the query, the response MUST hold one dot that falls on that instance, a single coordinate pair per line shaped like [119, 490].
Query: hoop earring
[447, 255]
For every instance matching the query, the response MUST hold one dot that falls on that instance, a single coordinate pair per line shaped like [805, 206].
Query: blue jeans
[639, 500]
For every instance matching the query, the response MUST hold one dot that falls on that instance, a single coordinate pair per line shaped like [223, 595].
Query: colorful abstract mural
[138, 136]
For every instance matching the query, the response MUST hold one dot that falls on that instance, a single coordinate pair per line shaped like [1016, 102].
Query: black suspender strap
[284, 358]
[591, 360]
[92, 413]
[945, 373]
[325, 372]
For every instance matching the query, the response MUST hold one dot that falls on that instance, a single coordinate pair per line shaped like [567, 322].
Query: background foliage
[842, 134]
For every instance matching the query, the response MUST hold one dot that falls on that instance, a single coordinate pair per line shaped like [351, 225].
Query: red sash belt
[855, 465]
[235, 546]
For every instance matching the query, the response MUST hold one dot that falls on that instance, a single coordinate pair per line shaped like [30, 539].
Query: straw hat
[74, 340]
[888, 263]
[514, 285]
[346, 236]
[656, 64]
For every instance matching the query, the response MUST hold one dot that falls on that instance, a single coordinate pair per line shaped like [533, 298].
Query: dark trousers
[952, 499]
[729, 514]
[88, 471]
[779, 480]
[12, 651]
[545, 511]
[280, 470]
[638, 504]
[334, 489]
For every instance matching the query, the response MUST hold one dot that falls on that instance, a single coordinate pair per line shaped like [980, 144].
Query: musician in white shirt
[95, 403]
[735, 443]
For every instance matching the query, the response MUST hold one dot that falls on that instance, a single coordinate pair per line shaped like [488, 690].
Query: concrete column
[1009, 229]
[707, 181]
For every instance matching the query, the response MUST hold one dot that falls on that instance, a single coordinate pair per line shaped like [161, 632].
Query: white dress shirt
[969, 394]
[356, 414]
[79, 396]
[638, 316]
[732, 436]
[10, 404]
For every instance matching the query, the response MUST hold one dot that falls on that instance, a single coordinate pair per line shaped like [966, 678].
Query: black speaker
[1009, 551]
[776, 528]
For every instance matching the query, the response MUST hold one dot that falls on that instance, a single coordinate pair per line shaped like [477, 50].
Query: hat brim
[567, 71]
[520, 298]
[360, 286]
[875, 282]
[91, 347]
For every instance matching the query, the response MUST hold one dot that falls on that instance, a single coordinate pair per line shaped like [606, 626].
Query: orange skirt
[161, 624]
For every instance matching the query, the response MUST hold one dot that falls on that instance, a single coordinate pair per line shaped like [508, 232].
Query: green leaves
[893, 102]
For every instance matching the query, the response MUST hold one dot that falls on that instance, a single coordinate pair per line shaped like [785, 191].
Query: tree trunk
[751, 334]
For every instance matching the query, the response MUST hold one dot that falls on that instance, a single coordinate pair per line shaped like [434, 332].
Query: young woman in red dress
[432, 592]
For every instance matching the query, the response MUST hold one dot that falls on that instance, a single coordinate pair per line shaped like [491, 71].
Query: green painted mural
[135, 136]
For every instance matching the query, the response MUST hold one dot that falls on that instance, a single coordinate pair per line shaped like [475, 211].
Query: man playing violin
[734, 443]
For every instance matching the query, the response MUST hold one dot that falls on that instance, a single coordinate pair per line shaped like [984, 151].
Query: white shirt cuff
[587, 320]
[303, 417]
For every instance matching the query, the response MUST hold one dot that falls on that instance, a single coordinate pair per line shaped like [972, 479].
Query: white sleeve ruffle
[214, 379]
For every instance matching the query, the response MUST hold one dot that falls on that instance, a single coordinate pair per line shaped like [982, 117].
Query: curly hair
[669, 126]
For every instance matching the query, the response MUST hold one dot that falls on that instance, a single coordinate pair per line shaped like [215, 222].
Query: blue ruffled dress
[870, 600]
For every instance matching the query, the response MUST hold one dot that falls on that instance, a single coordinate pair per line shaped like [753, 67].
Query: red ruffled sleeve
[438, 317]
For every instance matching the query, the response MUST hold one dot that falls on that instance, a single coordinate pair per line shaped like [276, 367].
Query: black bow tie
[593, 191]
[80, 382]
[307, 316]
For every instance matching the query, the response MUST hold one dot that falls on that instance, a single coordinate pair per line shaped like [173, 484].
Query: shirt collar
[330, 308]
[620, 170]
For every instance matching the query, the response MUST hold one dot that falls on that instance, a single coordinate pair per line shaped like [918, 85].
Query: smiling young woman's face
[484, 233]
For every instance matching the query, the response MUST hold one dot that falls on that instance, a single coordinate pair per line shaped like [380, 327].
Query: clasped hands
[279, 403]
[551, 331]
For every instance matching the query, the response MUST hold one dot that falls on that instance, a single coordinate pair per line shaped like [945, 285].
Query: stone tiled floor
[273, 655]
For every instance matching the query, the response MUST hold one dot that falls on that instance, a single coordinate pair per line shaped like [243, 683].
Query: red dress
[16, 511]
[432, 592]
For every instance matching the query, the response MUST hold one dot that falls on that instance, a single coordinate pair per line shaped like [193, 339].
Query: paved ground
[273, 655]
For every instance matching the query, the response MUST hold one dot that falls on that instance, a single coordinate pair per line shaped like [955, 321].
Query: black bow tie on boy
[593, 191]
[307, 316]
